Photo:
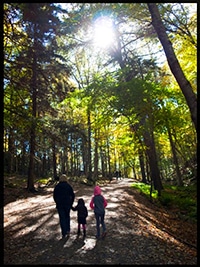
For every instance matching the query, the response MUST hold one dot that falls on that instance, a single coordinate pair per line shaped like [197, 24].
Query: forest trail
[138, 231]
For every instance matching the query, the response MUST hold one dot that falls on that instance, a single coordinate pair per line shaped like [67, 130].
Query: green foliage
[82, 96]
[181, 199]
[144, 189]
[44, 181]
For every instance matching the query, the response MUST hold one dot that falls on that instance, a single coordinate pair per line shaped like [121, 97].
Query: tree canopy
[89, 107]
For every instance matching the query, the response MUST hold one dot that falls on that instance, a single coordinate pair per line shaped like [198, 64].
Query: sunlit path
[134, 226]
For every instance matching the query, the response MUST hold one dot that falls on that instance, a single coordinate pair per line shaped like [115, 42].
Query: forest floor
[138, 231]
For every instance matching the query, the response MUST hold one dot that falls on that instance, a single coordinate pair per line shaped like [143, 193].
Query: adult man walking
[63, 195]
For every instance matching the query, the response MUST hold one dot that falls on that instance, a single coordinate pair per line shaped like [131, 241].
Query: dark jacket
[81, 209]
[63, 194]
[98, 201]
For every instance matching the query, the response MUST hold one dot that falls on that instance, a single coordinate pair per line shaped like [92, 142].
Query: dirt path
[138, 232]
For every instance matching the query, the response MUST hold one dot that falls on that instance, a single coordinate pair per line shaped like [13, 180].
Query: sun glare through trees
[103, 35]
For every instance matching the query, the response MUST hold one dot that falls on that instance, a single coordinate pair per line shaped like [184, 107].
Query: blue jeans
[100, 220]
[64, 216]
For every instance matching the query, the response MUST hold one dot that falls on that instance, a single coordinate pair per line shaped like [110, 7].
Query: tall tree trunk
[96, 156]
[141, 159]
[153, 164]
[84, 155]
[54, 159]
[23, 169]
[151, 154]
[89, 157]
[102, 157]
[175, 158]
[108, 158]
[71, 156]
[174, 65]
[134, 173]
[11, 151]
[30, 183]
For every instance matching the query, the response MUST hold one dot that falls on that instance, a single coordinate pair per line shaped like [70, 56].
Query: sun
[103, 34]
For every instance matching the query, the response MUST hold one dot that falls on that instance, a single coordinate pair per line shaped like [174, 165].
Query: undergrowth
[183, 199]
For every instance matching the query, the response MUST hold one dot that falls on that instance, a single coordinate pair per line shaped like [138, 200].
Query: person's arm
[105, 203]
[72, 195]
[86, 211]
[74, 208]
[92, 203]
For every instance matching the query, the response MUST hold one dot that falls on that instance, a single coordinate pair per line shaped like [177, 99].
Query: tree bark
[153, 164]
[173, 63]
[31, 168]
[89, 156]
[141, 160]
[175, 158]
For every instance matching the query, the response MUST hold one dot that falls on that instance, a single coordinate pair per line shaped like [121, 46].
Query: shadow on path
[136, 234]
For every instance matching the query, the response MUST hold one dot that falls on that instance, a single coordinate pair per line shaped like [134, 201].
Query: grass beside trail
[181, 198]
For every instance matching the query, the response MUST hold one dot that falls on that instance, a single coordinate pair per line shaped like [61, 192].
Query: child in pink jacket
[98, 204]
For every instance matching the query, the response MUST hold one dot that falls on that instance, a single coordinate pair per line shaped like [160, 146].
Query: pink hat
[97, 190]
